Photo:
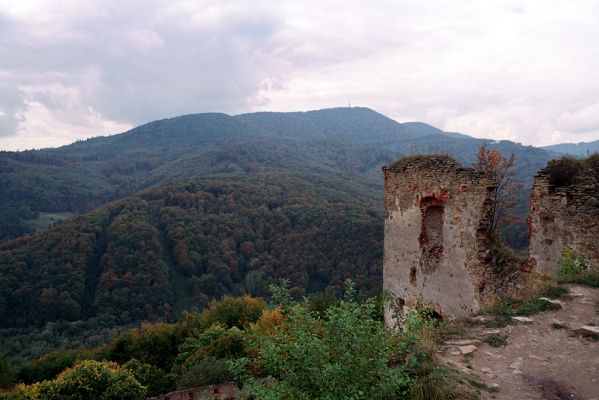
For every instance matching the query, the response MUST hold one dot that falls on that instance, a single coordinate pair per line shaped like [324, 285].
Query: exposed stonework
[437, 215]
[563, 216]
[223, 391]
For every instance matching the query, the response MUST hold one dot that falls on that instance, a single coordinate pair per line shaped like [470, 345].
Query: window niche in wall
[431, 235]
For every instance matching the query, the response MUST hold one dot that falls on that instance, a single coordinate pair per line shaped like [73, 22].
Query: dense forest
[175, 213]
[176, 247]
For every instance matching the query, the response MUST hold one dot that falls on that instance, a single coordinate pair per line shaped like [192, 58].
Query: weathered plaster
[456, 277]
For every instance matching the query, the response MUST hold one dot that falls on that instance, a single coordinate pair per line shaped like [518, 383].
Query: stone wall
[437, 215]
[563, 216]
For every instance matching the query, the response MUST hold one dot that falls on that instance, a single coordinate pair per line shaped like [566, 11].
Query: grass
[532, 306]
[457, 327]
[505, 308]
[495, 340]
[553, 290]
[432, 381]
[586, 278]
[441, 384]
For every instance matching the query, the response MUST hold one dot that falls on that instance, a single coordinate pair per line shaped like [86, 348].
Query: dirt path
[540, 361]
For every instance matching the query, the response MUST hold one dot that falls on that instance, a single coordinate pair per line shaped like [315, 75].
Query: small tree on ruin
[506, 186]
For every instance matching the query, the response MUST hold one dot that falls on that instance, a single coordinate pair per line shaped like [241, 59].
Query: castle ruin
[561, 215]
[437, 241]
[437, 245]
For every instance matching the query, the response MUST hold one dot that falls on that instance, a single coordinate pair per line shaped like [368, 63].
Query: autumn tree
[506, 185]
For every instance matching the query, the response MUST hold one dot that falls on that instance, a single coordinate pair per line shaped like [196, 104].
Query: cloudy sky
[527, 71]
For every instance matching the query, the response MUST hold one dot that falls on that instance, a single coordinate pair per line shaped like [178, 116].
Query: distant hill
[581, 149]
[425, 129]
[345, 142]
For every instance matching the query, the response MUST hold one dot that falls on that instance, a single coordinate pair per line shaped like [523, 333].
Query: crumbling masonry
[437, 215]
[563, 216]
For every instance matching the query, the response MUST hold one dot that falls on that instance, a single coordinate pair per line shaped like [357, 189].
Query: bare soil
[542, 360]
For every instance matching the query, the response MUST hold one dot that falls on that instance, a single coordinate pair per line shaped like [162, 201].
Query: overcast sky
[527, 71]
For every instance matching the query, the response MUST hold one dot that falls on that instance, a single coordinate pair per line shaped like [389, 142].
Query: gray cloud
[525, 71]
[12, 101]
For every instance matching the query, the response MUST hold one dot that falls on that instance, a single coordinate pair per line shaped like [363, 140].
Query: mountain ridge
[580, 149]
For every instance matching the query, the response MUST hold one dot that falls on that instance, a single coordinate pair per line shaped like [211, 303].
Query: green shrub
[416, 349]
[152, 343]
[505, 308]
[233, 311]
[319, 303]
[207, 371]
[89, 380]
[47, 367]
[574, 268]
[563, 172]
[215, 341]
[533, 306]
[495, 340]
[345, 355]
[571, 263]
[153, 378]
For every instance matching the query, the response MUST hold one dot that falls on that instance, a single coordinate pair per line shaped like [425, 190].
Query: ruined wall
[563, 216]
[222, 391]
[436, 218]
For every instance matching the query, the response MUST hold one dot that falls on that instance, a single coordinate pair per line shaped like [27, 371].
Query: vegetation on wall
[566, 170]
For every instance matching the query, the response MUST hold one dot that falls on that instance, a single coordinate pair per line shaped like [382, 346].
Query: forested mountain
[166, 249]
[582, 149]
[346, 142]
[183, 210]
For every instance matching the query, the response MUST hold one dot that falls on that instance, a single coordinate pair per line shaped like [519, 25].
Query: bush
[153, 378]
[47, 367]
[495, 340]
[344, 355]
[228, 312]
[153, 343]
[89, 380]
[571, 263]
[563, 172]
[215, 341]
[574, 268]
[207, 371]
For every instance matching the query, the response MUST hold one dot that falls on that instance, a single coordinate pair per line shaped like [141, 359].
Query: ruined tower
[437, 215]
[564, 211]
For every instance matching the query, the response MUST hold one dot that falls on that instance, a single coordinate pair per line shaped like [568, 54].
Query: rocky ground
[553, 355]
